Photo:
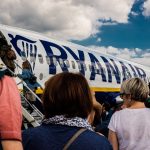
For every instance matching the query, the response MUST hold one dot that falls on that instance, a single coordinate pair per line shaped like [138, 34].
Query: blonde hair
[137, 88]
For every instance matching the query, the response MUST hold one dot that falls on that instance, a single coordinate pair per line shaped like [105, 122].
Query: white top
[132, 127]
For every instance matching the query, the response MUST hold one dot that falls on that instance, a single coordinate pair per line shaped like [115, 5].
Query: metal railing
[30, 119]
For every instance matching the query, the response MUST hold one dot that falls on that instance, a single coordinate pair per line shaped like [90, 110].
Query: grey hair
[137, 88]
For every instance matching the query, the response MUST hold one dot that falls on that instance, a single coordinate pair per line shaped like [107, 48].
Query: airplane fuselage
[47, 57]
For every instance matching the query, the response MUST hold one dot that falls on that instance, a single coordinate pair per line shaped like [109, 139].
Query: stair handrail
[33, 106]
[24, 83]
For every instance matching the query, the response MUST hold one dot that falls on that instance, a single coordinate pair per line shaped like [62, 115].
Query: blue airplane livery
[47, 57]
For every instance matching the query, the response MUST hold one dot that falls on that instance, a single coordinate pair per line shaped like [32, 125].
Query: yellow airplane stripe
[105, 89]
[96, 89]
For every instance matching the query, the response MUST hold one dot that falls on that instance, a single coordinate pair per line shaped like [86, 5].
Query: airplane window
[48, 60]
[40, 58]
[94, 66]
[73, 65]
[61, 61]
[99, 71]
[127, 74]
[67, 63]
[104, 71]
[54, 61]
[23, 44]
[79, 65]
[135, 75]
[32, 57]
[118, 73]
[84, 65]
[90, 67]
[111, 72]
[23, 55]
[27, 46]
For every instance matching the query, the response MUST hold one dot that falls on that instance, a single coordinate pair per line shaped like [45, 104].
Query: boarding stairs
[30, 118]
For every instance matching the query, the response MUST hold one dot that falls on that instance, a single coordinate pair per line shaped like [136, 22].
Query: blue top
[25, 76]
[54, 137]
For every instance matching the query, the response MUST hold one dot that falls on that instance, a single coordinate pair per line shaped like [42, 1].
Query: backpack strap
[73, 138]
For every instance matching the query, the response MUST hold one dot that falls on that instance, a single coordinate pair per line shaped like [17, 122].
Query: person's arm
[11, 114]
[11, 145]
[112, 137]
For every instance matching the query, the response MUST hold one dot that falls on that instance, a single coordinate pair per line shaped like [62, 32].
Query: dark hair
[67, 94]
[26, 65]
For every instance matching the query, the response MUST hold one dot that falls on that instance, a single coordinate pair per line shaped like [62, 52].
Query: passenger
[95, 115]
[8, 56]
[3, 50]
[147, 102]
[25, 76]
[67, 102]
[10, 114]
[107, 111]
[129, 127]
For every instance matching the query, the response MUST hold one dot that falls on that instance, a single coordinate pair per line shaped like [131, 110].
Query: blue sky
[134, 34]
[117, 27]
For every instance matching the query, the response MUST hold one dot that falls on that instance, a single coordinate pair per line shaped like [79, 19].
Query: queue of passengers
[8, 57]
[71, 115]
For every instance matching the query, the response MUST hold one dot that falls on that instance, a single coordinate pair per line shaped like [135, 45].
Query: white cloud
[128, 54]
[98, 49]
[113, 51]
[146, 7]
[147, 55]
[67, 19]
[134, 13]
[144, 61]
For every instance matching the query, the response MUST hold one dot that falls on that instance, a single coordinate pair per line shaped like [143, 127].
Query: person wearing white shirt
[129, 127]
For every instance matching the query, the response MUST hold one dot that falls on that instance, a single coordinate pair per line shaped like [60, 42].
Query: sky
[117, 27]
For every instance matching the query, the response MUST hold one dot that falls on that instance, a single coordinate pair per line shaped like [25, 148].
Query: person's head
[67, 94]
[5, 47]
[26, 65]
[134, 89]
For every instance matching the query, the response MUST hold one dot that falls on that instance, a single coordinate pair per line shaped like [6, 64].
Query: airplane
[47, 57]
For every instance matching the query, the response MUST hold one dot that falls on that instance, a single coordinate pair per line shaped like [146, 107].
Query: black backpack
[33, 79]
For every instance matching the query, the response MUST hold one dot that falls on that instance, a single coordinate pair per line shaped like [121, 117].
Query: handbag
[73, 138]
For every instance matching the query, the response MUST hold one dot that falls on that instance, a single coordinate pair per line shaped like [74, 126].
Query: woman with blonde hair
[129, 127]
